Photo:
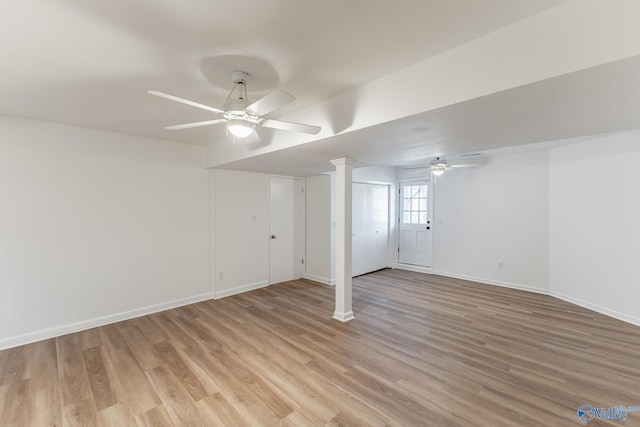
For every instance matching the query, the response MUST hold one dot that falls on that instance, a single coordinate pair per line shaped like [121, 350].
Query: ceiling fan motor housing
[235, 107]
[240, 77]
[438, 161]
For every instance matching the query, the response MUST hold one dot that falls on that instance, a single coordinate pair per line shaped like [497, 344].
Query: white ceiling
[91, 62]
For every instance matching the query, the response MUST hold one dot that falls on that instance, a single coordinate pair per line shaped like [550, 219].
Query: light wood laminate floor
[422, 351]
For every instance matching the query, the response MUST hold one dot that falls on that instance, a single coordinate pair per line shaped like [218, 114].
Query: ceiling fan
[438, 165]
[240, 115]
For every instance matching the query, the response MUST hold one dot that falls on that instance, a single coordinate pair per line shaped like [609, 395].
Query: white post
[344, 184]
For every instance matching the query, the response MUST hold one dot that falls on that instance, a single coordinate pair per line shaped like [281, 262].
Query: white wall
[494, 213]
[96, 227]
[594, 224]
[318, 229]
[241, 232]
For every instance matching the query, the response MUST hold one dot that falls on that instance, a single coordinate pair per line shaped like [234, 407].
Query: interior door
[286, 229]
[370, 228]
[416, 235]
[378, 241]
[358, 229]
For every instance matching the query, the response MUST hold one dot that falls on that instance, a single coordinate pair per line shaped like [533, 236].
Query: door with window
[416, 233]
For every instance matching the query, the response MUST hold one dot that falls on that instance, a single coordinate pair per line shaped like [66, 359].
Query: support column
[344, 185]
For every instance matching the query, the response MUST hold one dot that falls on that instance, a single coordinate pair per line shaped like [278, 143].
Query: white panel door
[415, 235]
[286, 229]
[370, 228]
[378, 239]
[359, 229]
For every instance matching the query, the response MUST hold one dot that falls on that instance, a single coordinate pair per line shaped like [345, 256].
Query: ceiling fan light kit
[240, 128]
[437, 171]
[241, 116]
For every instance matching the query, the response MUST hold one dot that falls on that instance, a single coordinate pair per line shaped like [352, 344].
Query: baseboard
[343, 317]
[597, 308]
[582, 303]
[240, 289]
[494, 282]
[98, 321]
[318, 279]
[416, 268]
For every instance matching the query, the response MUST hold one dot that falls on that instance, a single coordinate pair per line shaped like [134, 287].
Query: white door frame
[389, 216]
[301, 253]
[399, 210]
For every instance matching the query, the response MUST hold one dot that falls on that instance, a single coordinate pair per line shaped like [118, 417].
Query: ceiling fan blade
[410, 168]
[290, 126]
[196, 124]
[185, 101]
[270, 102]
[468, 165]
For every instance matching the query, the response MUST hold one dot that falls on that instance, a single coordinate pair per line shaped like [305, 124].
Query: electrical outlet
[500, 265]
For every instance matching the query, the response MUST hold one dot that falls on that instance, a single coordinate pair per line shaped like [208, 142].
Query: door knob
[273, 236]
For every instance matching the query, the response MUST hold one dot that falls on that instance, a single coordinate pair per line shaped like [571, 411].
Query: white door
[285, 229]
[378, 241]
[370, 228]
[358, 229]
[415, 236]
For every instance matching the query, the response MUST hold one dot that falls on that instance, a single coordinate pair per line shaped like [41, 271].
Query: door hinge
[398, 250]
[302, 189]
[303, 260]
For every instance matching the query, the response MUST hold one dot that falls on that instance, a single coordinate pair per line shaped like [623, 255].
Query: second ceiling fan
[241, 115]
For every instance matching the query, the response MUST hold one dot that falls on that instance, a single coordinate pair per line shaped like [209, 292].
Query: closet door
[370, 228]
[359, 230]
[378, 227]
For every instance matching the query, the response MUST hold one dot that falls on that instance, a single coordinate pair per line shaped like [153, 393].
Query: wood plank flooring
[422, 351]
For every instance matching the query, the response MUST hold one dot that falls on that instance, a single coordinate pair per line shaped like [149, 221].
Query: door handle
[273, 236]
[428, 228]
